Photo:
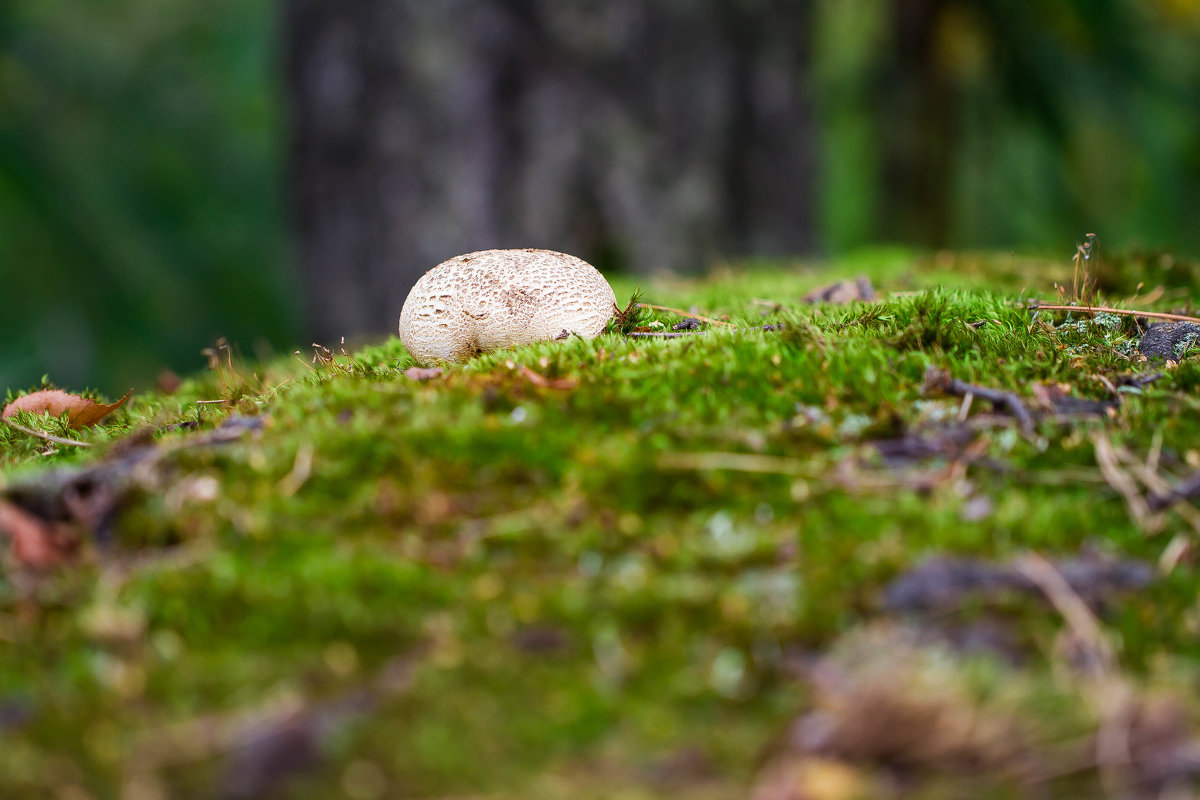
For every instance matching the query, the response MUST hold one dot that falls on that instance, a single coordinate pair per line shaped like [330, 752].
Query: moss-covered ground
[614, 582]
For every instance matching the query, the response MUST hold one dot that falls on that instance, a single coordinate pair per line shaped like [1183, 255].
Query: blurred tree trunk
[634, 134]
[953, 65]
[920, 142]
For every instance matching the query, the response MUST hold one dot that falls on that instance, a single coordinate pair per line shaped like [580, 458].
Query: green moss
[583, 582]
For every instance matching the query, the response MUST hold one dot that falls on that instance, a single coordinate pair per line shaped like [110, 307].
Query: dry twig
[1074, 610]
[1156, 485]
[1187, 489]
[1125, 312]
[1112, 695]
[1142, 381]
[664, 334]
[46, 436]
[1120, 480]
[942, 381]
[683, 313]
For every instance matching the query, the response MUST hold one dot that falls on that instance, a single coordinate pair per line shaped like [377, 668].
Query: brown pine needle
[1126, 312]
[683, 313]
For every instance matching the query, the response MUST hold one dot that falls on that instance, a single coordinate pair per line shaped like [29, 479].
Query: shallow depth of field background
[164, 173]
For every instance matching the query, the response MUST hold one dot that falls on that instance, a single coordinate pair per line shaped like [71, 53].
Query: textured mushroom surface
[493, 299]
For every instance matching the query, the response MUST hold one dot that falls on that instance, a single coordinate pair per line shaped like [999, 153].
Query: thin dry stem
[1124, 484]
[1149, 477]
[1071, 607]
[1125, 312]
[1111, 694]
[46, 436]
[686, 314]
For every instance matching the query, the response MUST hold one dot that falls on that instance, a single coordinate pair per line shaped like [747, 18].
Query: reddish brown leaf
[547, 383]
[36, 543]
[422, 373]
[54, 402]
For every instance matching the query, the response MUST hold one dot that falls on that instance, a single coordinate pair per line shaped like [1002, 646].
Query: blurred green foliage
[141, 159]
[139, 187]
[1010, 123]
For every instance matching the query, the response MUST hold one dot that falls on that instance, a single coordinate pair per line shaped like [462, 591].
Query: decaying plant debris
[947, 584]
[737, 546]
[48, 518]
[897, 716]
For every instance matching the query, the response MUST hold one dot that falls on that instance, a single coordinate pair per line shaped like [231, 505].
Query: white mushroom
[502, 298]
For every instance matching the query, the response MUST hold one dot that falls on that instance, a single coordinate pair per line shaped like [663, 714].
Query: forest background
[279, 172]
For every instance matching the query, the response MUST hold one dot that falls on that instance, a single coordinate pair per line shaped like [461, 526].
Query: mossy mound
[607, 568]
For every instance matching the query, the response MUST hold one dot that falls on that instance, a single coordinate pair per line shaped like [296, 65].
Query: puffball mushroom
[502, 298]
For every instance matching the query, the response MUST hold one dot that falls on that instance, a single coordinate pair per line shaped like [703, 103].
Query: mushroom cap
[494, 299]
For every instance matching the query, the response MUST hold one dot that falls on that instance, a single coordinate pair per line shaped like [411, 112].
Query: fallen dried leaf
[36, 543]
[422, 373]
[82, 412]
